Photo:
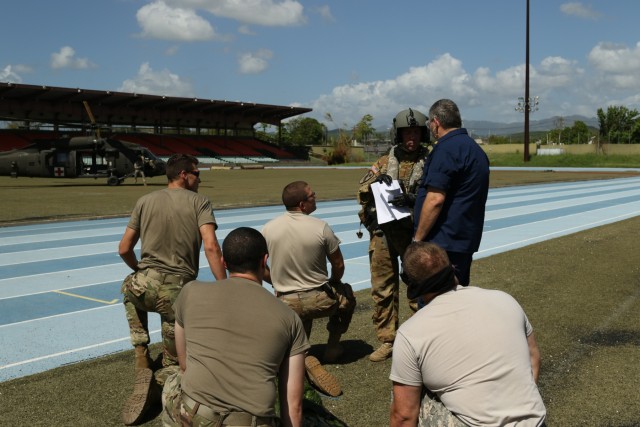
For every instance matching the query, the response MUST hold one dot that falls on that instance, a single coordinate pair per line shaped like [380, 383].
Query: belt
[228, 418]
[164, 277]
[301, 291]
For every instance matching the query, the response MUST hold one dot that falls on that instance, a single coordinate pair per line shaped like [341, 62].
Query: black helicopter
[81, 157]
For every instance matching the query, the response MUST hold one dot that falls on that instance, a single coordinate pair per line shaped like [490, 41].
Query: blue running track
[60, 296]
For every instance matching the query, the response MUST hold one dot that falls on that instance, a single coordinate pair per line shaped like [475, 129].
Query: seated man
[233, 340]
[471, 350]
[300, 245]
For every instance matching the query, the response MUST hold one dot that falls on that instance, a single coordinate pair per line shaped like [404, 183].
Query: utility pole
[526, 104]
[526, 95]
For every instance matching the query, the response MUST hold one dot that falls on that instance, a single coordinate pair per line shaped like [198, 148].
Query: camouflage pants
[177, 413]
[336, 302]
[384, 251]
[433, 413]
[149, 291]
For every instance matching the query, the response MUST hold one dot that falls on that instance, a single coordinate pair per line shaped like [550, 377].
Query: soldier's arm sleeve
[126, 246]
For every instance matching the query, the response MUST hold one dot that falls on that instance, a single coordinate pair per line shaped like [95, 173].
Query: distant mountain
[486, 128]
[481, 128]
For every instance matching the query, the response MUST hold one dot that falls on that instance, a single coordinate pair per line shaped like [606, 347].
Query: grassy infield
[581, 293]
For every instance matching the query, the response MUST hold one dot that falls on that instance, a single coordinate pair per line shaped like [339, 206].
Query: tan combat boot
[145, 392]
[143, 360]
[320, 378]
[333, 350]
[382, 353]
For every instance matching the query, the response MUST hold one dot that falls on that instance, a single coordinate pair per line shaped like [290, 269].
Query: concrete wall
[620, 149]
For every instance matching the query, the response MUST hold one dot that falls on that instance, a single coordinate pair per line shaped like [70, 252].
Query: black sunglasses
[194, 173]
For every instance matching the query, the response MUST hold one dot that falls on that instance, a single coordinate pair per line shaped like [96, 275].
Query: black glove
[404, 199]
[383, 178]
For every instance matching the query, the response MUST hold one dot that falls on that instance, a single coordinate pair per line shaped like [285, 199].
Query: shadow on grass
[613, 338]
[354, 350]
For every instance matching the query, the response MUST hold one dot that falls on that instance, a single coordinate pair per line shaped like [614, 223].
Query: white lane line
[484, 251]
[70, 351]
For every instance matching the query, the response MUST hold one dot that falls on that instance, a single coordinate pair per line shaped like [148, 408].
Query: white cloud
[616, 68]
[254, 62]
[483, 93]
[66, 58]
[616, 58]
[10, 75]
[160, 21]
[556, 72]
[418, 88]
[271, 13]
[325, 13]
[580, 10]
[153, 82]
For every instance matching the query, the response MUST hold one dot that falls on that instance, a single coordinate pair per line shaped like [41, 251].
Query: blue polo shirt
[459, 167]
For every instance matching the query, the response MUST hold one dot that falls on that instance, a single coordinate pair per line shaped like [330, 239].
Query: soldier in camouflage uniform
[172, 224]
[404, 162]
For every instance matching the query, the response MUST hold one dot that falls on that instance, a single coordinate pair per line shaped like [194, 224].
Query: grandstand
[216, 132]
[214, 150]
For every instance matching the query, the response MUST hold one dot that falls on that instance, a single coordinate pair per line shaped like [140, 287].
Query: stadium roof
[64, 107]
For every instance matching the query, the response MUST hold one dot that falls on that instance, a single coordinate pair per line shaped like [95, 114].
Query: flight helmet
[410, 118]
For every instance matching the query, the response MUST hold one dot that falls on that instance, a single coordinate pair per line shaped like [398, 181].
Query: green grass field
[581, 293]
[38, 199]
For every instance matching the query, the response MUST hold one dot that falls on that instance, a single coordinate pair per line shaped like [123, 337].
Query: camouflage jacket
[401, 166]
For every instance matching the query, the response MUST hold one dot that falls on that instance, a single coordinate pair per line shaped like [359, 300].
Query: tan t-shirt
[237, 336]
[169, 223]
[469, 346]
[298, 248]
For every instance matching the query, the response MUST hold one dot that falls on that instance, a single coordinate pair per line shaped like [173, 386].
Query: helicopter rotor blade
[91, 118]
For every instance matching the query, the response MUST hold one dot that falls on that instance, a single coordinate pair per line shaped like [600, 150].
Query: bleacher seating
[146, 140]
[272, 150]
[10, 139]
[209, 149]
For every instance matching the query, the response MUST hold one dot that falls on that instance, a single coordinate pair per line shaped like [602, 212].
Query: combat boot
[320, 378]
[143, 360]
[146, 392]
[382, 353]
[333, 350]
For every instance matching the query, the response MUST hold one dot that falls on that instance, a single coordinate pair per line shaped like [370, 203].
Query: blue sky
[344, 57]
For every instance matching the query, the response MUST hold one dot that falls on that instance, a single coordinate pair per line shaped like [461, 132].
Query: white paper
[382, 194]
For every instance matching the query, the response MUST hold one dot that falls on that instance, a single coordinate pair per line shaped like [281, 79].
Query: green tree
[578, 133]
[363, 130]
[498, 139]
[304, 131]
[265, 132]
[619, 124]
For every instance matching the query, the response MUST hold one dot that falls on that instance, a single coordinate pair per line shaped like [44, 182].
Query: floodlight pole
[526, 95]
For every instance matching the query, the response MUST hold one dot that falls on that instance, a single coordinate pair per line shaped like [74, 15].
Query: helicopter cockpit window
[148, 154]
[87, 160]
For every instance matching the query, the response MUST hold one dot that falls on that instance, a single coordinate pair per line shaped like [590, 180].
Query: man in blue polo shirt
[451, 199]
